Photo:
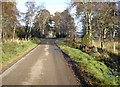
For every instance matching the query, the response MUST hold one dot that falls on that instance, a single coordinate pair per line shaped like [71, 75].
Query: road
[44, 65]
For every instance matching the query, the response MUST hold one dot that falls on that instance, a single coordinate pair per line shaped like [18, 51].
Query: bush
[87, 40]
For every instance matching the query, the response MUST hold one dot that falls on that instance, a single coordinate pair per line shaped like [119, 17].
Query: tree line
[100, 21]
[28, 25]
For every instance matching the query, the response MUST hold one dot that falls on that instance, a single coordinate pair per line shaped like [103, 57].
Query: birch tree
[42, 18]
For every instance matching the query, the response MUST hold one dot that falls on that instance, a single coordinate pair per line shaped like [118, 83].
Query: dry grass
[113, 47]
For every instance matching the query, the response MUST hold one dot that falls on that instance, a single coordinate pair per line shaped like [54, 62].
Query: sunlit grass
[94, 72]
[11, 49]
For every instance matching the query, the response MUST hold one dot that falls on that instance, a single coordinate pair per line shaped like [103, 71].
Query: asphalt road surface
[44, 65]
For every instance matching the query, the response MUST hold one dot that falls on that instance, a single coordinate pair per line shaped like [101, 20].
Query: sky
[51, 5]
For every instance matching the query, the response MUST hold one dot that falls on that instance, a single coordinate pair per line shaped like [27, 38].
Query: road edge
[4, 68]
[74, 67]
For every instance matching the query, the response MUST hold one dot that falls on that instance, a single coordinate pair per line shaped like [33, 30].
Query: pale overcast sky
[51, 5]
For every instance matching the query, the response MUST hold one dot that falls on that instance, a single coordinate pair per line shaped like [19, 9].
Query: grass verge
[93, 72]
[12, 49]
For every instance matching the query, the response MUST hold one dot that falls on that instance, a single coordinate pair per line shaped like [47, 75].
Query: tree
[9, 19]
[97, 19]
[87, 9]
[105, 21]
[67, 25]
[42, 18]
[31, 9]
[56, 19]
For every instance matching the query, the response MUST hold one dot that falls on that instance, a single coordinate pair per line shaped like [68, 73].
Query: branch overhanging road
[44, 65]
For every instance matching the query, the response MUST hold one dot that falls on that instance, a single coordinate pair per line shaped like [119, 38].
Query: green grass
[94, 72]
[11, 49]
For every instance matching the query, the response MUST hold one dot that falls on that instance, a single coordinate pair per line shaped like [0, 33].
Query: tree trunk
[114, 47]
[102, 38]
[14, 32]
[90, 32]
[30, 33]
